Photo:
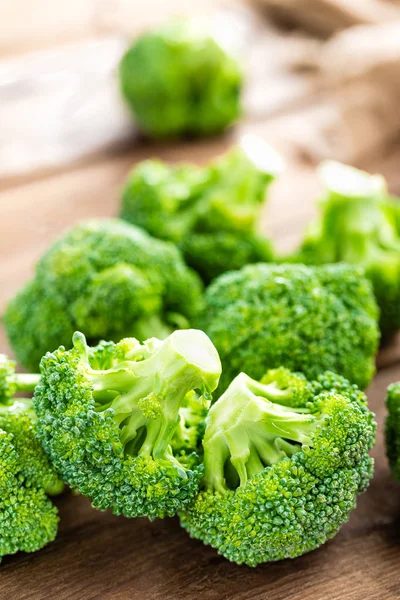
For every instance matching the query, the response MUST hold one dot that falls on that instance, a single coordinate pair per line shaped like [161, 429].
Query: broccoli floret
[393, 428]
[107, 417]
[179, 80]
[358, 225]
[28, 519]
[309, 319]
[108, 279]
[211, 254]
[210, 212]
[284, 464]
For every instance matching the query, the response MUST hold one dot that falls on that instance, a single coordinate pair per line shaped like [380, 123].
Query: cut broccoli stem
[11, 382]
[249, 429]
[145, 396]
[354, 218]
[26, 382]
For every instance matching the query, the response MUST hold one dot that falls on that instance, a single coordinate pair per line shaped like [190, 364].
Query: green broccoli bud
[283, 469]
[357, 226]
[308, 319]
[179, 80]
[393, 428]
[108, 416]
[28, 519]
[108, 279]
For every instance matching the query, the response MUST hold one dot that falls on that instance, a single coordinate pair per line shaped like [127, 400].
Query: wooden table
[98, 555]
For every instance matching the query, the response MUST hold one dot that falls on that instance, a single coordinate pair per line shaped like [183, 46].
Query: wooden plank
[97, 555]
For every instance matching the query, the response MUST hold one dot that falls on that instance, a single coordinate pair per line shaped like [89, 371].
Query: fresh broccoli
[108, 279]
[393, 428]
[359, 225]
[28, 519]
[284, 463]
[179, 80]
[107, 417]
[210, 212]
[309, 319]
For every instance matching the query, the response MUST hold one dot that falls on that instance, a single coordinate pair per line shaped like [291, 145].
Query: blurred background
[322, 80]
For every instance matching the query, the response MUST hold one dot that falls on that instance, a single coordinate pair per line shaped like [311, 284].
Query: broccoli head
[210, 212]
[179, 80]
[358, 225]
[28, 519]
[108, 279]
[309, 319]
[284, 463]
[109, 419]
[393, 428]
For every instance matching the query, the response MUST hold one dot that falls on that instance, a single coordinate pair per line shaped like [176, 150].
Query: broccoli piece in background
[359, 225]
[309, 319]
[211, 254]
[28, 519]
[210, 212]
[107, 417]
[178, 80]
[393, 428]
[108, 279]
[284, 463]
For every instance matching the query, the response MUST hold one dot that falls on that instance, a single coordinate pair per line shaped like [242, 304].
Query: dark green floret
[284, 463]
[309, 319]
[358, 224]
[110, 419]
[28, 519]
[107, 279]
[179, 80]
[393, 428]
[210, 212]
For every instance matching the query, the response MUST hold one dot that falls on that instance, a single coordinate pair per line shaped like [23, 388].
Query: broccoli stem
[248, 430]
[146, 395]
[26, 382]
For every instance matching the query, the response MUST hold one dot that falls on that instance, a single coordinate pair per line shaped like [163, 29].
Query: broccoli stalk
[357, 227]
[12, 382]
[149, 393]
[257, 430]
[108, 417]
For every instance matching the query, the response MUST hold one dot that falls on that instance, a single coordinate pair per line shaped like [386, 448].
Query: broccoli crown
[107, 417]
[179, 80]
[28, 519]
[284, 463]
[393, 428]
[108, 279]
[358, 225]
[211, 212]
[309, 319]
[211, 254]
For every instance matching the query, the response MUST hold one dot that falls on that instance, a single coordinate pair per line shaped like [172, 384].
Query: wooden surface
[100, 556]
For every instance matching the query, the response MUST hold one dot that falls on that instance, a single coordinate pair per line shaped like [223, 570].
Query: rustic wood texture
[98, 555]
